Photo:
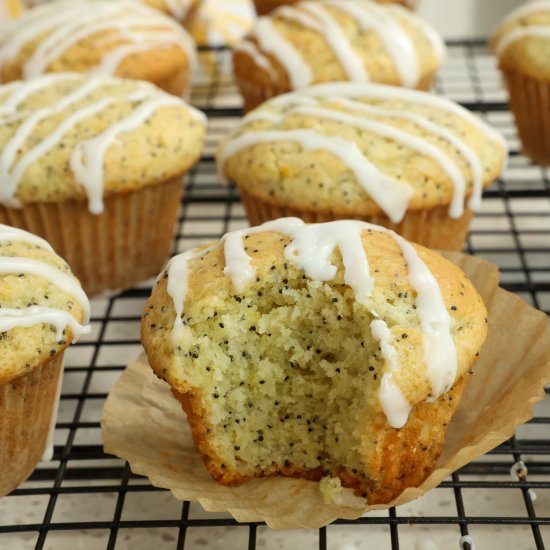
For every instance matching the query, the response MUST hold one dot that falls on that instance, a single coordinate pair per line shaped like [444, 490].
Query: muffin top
[42, 305]
[363, 149]
[416, 315]
[522, 41]
[68, 136]
[124, 38]
[336, 40]
[176, 8]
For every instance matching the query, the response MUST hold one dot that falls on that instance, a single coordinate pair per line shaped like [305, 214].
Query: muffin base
[129, 242]
[26, 409]
[430, 228]
[530, 103]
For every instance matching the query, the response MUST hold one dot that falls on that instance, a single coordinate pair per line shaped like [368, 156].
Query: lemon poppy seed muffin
[42, 310]
[264, 7]
[95, 166]
[333, 350]
[408, 160]
[121, 38]
[185, 11]
[522, 45]
[335, 40]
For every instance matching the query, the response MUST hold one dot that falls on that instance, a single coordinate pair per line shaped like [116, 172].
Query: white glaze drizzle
[274, 43]
[317, 18]
[178, 8]
[248, 47]
[87, 157]
[395, 405]
[507, 39]
[67, 23]
[86, 160]
[397, 42]
[310, 249]
[527, 8]
[417, 144]
[33, 315]
[391, 195]
[8, 233]
[349, 95]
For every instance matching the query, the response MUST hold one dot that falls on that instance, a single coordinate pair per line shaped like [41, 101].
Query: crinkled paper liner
[530, 103]
[26, 409]
[432, 228]
[145, 425]
[126, 244]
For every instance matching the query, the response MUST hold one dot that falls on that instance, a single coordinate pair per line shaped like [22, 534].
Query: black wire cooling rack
[86, 499]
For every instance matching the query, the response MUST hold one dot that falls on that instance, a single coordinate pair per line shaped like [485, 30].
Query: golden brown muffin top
[124, 38]
[176, 8]
[335, 40]
[68, 136]
[522, 41]
[42, 305]
[363, 149]
[427, 318]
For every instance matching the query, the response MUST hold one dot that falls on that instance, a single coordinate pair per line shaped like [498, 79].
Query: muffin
[333, 351]
[263, 7]
[42, 311]
[122, 38]
[411, 161]
[95, 166]
[522, 45]
[335, 40]
[185, 11]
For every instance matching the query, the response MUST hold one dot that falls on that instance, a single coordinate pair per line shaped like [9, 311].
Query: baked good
[9, 9]
[522, 45]
[335, 40]
[43, 309]
[95, 166]
[185, 11]
[408, 160]
[325, 350]
[263, 7]
[122, 38]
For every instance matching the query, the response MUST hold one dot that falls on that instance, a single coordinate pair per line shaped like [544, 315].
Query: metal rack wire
[87, 499]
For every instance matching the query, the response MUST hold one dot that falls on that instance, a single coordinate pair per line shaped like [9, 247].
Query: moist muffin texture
[349, 150]
[284, 375]
[123, 38]
[336, 40]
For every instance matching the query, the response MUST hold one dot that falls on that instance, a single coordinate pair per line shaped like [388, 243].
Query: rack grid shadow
[85, 498]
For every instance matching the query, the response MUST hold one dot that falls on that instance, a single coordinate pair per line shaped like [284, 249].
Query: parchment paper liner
[143, 424]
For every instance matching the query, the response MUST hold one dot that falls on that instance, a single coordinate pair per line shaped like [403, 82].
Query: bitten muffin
[95, 166]
[335, 40]
[263, 7]
[408, 160]
[122, 38]
[42, 310]
[522, 45]
[334, 350]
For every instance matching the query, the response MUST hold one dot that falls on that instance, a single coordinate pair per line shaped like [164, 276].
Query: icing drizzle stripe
[310, 249]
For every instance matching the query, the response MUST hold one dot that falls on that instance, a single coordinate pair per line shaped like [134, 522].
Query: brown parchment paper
[144, 424]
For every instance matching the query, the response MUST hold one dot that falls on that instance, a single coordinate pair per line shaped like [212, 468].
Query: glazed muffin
[335, 40]
[185, 11]
[43, 309]
[122, 38]
[522, 45]
[95, 166]
[263, 7]
[334, 350]
[408, 160]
